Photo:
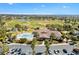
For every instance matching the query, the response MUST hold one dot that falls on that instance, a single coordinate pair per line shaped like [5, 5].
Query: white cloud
[65, 7]
[43, 6]
[10, 3]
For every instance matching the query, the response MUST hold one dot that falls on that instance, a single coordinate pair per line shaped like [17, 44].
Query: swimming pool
[28, 36]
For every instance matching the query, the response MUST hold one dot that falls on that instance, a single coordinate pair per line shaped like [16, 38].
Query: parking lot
[55, 49]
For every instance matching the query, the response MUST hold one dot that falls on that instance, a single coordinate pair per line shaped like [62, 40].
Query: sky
[40, 8]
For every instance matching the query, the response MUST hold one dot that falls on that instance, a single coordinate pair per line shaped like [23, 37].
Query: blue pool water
[28, 36]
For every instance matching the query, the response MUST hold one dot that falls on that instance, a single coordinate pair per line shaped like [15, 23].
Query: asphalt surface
[41, 49]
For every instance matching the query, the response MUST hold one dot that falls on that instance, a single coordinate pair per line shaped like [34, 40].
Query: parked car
[49, 52]
[39, 53]
[23, 54]
[56, 51]
[64, 50]
[19, 50]
[76, 51]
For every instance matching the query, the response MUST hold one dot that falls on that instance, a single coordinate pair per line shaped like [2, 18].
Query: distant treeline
[39, 17]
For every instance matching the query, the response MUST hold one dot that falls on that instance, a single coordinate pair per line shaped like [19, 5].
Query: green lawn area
[34, 23]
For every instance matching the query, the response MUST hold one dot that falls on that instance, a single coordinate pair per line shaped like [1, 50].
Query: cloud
[65, 7]
[43, 6]
[10, 3]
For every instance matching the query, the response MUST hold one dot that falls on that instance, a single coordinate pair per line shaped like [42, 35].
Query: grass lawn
[34, 23]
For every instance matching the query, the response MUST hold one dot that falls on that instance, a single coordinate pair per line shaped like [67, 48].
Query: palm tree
[47, 45]
[33, 45]
[52, 37]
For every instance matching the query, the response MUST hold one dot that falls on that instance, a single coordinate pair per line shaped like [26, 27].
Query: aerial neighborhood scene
[39, 29]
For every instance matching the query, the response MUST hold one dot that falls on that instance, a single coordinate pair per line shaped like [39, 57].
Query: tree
[5, 49]
[73, 38]
[35, 34]
[1, 22]
[33, 45]
[49, 26]
[71, 32]
[2, 30]
[9, 36]
[47, 45]
[67, 27]
[24, 28]
[22, 40]
[2, 34]
[8, 18]
[52, 37]
[18, 26]
[56, 26]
